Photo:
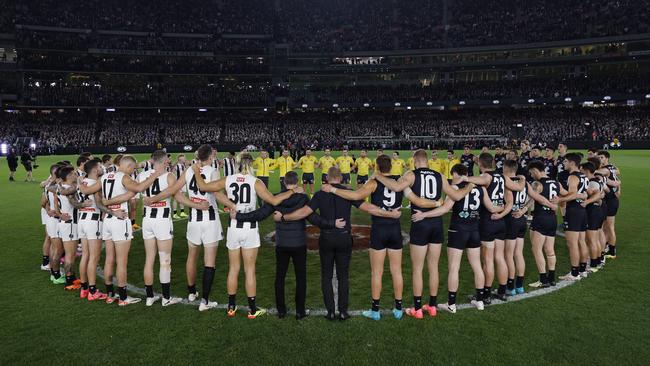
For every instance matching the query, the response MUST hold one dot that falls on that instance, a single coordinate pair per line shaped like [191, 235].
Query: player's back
[113, 186]
[385, 199]
[160, 209]
[196, 195]
[240, 189]
[550, 189]
[427, 184]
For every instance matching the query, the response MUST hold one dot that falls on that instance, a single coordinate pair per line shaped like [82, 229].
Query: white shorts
[44, 216]
[204, 232]
[90, 229]
[67, 231]
[117, 230]
[160, 229]
[244, 238]
[51, 226]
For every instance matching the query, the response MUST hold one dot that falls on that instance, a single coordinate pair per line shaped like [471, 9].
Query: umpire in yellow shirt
[263, 166]
[284, 163]
[397, 165]
[364, 164]
[438, 165]
[345, 163]
[325, 163]
[451, 161]
[308, 164]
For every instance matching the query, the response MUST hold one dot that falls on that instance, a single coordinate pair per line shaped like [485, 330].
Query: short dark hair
[158, 156]
[450, 151]
[86, 154]
[549, 147]
[536, 164]
[54, 168]
[291, 178]
[384, 164]
[593, 150]
[64, 171]
[595, 161]
[106, 158]
[204, 152]
[604, 153]
[574, 158]
[511, 165]
[588, 166]
[82, 159]
[459, 169]
[486, 160]
[90, 165]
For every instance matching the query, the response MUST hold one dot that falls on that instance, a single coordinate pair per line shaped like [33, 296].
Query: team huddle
[91, 208]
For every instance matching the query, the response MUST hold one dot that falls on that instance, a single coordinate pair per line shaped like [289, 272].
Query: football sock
[433, 300]
[208, 278]
[251, 305]
[375, 304]
[46, 260]
[551, 276]
[109, 289]
[479, 294]
[84, 285]
[191, 289]
[451, 297]
[398, 304]
[583, 267]
[149, 290]
[501, 290]
[166, 290]
[543, 278]
[92, 289]
[417, 302]
[575, 271]
[519, 281]
[232, 301]
[122, 291]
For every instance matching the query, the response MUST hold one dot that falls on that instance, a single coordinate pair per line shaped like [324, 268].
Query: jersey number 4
[195, 188]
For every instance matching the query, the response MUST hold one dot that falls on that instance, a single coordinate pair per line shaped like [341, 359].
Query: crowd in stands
[320, 129]
[317, 26]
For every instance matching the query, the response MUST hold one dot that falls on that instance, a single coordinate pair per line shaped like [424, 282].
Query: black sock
[583, 267]
[575, 271]
[480, 293]
[191, 289]
[149, 290]
[398, 304]
[417, 302]
[593, 262]
[69, 279]
[511, 284]
[487, 291]
[166, 290]
[109, 290]
[519, 282]
[451, 297]
[232, 301]
[252, 308]
[543, 278]
[84, 285]
[551, 275]
[56, 274]
[501, 290]
[375, 304]
[208, 278]
[612, 249]
[433, 300]
[46, 260]
[92, 289]
[122, 291]
[175, 212]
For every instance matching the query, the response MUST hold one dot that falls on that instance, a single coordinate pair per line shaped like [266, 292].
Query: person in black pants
[12, 161]
[290, 243]
[335, 244]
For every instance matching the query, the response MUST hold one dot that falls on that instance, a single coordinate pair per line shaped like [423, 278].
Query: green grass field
[601, 320]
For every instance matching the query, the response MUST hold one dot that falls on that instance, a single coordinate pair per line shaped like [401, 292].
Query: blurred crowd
[320, 129]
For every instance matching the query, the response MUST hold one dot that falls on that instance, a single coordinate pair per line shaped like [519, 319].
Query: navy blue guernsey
[499, 159]
[550, 168]
[468, 161]
[582, 188]
[427, 184]
[600, 180]
[496, 191]
[465, 213]
[550, 190]
[385, 199]
[519, 198]
[613, 175]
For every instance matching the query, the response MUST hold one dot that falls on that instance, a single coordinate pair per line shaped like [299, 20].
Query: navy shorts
[346, 178]
[386, 236]
[307, 178]
[515, 228]
[427, 231]
[595, 217]
[362, 179]
[576, 218]
[545, 224]
[492, 230]
[612, 207]
[463, 239]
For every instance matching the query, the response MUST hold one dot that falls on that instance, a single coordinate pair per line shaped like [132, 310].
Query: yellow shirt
[263, 166]
[326, 162]
[397, 166]
[363, 166]
[410, 163]
[284, 164]
[307, 163]
[345, 163]
[438, 165]
[450, 164]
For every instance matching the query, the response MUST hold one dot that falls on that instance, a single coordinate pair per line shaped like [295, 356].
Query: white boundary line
[321, 311]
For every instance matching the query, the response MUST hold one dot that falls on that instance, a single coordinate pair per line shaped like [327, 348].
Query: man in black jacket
[12, 161]
[290, 243]
[335, 245]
